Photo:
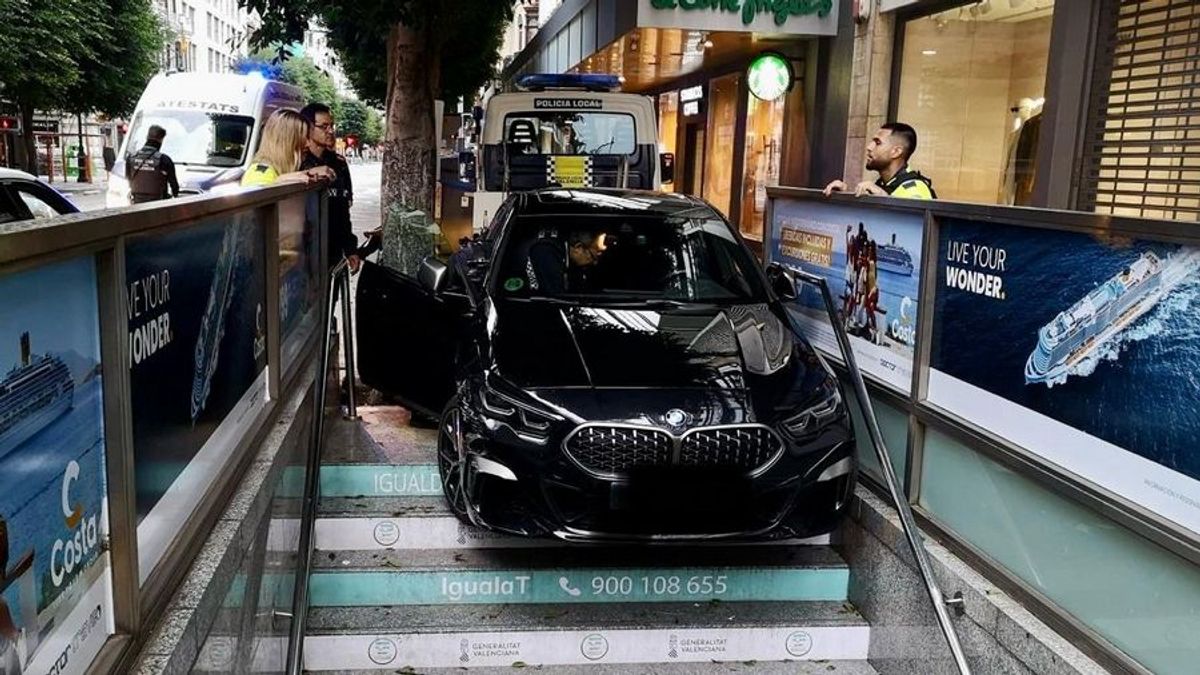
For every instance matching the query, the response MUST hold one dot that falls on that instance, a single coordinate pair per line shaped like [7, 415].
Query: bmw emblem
[676, 418]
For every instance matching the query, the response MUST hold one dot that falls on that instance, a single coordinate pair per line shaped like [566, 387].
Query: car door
[41, 201]
[408, 337]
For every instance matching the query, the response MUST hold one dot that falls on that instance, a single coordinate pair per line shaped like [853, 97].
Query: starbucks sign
[816, 17]
[769, 76]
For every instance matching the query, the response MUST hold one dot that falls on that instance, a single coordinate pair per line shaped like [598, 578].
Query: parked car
[614, 365]
[23, 196]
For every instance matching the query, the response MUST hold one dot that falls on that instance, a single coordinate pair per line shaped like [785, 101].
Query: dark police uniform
[151, 174]
[342, 241]
[908, 183]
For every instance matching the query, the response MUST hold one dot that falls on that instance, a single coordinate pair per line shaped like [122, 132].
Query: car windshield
[627, 258]
[570, 133]
[196, 137]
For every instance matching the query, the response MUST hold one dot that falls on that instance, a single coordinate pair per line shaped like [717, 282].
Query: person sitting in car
[554, 266]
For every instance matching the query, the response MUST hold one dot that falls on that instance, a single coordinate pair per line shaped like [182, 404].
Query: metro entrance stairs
[400, 585]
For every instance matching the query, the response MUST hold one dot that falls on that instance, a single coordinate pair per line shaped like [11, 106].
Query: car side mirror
[433, 274]
[783, 282]
[666, 167]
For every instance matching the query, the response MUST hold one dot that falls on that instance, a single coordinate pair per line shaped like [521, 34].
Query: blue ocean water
[31, 479]
[1143, 393]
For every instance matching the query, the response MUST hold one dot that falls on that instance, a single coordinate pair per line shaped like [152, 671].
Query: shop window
[764, 148]
[972, 83]
[668, 123]
[722, 122]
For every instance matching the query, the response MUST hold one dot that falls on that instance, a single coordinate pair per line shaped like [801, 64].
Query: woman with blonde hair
[284, 138]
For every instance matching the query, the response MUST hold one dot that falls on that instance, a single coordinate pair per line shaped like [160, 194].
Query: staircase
[400, 585]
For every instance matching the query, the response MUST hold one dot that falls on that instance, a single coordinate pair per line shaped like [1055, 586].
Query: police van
[569, 131]
[213, 122]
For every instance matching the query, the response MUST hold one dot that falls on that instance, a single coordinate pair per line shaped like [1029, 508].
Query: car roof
[10, 174]
[601, 201]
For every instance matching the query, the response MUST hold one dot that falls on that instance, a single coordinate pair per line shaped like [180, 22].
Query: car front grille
[613, 451]
[744, 447]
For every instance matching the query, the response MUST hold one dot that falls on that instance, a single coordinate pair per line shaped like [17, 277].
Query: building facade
[1091, 106]
[209, 35]
[729, 143]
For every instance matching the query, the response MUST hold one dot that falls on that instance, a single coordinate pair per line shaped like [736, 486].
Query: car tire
[452, 460]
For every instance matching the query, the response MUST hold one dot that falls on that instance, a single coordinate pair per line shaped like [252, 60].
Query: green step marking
[369, 480]
[575, 586]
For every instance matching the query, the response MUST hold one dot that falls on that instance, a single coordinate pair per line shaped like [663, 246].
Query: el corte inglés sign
[792, 16]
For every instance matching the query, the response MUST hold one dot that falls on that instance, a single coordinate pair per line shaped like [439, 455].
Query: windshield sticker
[514, 284]
[198, 105]
[571, 172]
[567, 103]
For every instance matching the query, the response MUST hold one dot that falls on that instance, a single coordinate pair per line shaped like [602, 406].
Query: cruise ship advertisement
[54, 580]
[1090, 346]
[197, 336]
[872, 262]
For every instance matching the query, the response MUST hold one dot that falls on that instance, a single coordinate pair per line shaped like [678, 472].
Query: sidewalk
[73, 187]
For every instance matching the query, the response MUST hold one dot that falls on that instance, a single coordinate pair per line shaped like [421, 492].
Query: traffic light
[8, 123]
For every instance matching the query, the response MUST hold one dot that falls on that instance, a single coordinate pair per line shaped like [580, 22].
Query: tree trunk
[28, 140]
[409, 147]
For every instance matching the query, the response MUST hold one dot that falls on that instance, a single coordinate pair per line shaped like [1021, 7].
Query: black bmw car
[613, 365]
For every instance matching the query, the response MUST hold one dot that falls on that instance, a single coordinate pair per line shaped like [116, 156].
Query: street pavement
[365, 214]
[86, 196]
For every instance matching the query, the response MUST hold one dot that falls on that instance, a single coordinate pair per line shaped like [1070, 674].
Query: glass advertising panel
[198, 355]
[55, 581]
[872, 261]
[299, 261]
[1080, 349]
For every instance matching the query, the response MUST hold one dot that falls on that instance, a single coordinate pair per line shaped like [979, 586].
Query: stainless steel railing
[907, 521]
[339, 284]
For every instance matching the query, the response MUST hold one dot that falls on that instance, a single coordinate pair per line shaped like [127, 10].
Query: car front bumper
[528, 489]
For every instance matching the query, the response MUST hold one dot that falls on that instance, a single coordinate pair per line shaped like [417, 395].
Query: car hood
[546, 345]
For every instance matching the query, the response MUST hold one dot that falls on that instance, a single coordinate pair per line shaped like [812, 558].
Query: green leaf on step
[519, 664]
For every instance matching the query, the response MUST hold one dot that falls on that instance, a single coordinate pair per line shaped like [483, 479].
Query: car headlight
[506, 408]
[805, 424]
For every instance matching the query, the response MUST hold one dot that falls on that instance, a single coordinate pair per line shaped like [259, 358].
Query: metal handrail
[907, 521]
[339, 282]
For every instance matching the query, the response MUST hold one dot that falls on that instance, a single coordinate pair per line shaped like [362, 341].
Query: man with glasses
[321, 143]
[554, 267]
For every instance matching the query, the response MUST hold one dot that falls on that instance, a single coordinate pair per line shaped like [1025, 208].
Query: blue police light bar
[586, 81]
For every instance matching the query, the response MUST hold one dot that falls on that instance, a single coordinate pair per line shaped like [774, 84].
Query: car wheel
[452, 459]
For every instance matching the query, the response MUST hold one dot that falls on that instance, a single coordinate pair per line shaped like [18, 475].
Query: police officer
[151, 172]
[887, 153]
[320, 152]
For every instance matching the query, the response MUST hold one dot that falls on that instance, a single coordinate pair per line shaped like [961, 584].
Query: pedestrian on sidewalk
[151, 171]
[320, 152]
[284, 140]
[888, 153]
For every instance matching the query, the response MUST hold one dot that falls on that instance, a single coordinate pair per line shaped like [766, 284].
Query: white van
[569, 130]
[213, 123]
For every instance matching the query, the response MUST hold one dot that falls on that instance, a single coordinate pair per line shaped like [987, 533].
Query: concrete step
[574, 576]
[368, 638]
[821, 667]
[406, 522]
